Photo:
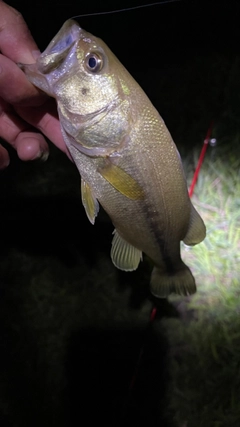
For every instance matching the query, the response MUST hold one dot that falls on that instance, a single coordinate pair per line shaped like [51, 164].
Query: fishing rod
[200, 160]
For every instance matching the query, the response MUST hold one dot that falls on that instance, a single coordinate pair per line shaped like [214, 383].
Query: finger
[29, 144]
[16, 41]
[4, 158]
[14, 86]
[45, 118]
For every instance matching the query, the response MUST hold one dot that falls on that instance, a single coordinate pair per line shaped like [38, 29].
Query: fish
[125, 155]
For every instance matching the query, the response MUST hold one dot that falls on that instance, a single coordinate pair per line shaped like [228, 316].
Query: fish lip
[45, 63]
[59, 47]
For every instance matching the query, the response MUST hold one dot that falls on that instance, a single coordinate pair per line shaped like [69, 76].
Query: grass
[205, 339]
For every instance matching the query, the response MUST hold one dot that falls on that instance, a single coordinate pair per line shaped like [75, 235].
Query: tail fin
[181, 282]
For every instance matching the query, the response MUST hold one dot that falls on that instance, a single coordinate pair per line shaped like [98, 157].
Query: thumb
[16, 41]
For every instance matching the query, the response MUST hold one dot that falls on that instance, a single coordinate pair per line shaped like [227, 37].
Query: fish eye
[94, 62]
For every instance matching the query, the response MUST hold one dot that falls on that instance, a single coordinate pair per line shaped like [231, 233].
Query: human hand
[23, 108]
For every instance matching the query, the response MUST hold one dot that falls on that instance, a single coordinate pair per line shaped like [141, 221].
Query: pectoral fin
[124, 256]
[196, 230]
[89, 202]
[121, 181]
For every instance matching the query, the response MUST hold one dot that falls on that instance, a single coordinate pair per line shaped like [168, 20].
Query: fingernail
[4, 163]
[4, 158]
[36, 54]
[29, 57]
[43, 156]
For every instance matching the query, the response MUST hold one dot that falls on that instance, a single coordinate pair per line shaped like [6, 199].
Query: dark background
[72, 326]
[155, 42]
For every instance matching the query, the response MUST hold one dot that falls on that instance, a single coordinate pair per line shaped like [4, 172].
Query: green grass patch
[205, 339]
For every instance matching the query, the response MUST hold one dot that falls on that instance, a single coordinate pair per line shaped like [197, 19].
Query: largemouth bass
[125, 154]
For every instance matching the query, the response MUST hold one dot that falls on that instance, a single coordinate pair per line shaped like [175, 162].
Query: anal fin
[196, 230]
[124, 256]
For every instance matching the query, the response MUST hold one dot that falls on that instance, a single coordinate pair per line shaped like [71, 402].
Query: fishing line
[125, 9]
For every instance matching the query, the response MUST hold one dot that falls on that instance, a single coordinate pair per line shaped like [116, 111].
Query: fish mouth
[59, 47]
[57, 50]
[53, 57]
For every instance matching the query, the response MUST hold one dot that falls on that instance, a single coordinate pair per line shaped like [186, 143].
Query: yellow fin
[181, 282]
[89, 202]
[122, 181]
[196, 229]
[124, 256]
